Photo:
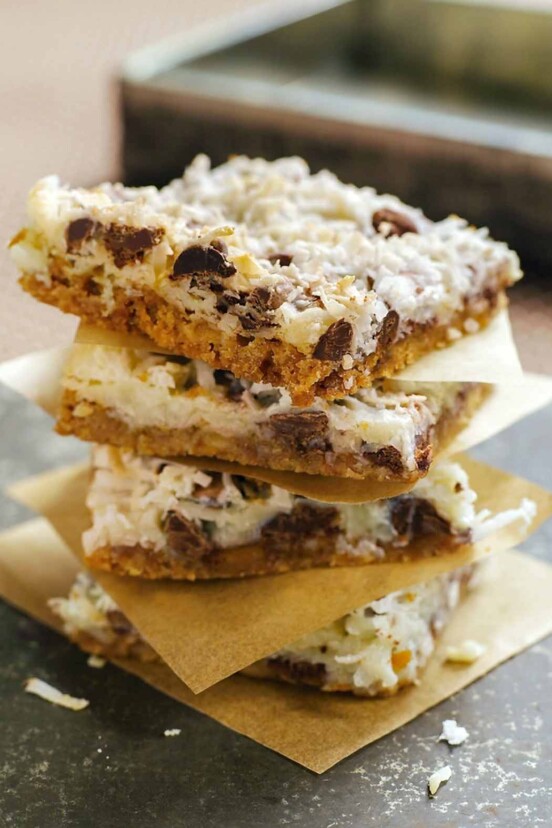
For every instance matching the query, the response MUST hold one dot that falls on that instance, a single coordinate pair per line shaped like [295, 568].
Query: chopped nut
[45, 691]
[391, 223]
[471, 326]
[466, 652]
[437, 778]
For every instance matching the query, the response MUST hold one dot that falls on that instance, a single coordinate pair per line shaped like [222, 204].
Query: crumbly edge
[261, 360]
[246, 561]
[302, 672]
[103, 426]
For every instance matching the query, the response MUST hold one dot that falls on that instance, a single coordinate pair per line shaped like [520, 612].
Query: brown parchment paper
[508, 614]
[490, 355]
[209, 630]
[38, 378]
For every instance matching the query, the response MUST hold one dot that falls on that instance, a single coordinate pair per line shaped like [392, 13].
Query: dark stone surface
[111, 766]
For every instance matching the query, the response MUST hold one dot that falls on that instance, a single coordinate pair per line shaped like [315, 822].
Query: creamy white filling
[262, 208]
[374, 647]
[130, 496]
[146, 390]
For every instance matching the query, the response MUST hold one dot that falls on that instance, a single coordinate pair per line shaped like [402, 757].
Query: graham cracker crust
[247, 561]
[255, 358]
[102, 425]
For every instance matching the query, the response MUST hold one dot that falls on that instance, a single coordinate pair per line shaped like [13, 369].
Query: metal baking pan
[446, 104]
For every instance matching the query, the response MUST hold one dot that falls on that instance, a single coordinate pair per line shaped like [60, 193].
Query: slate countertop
[113, 766]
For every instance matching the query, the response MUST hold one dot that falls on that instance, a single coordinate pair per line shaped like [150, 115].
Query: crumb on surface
[466, 652]
[50, 694]
[437, 778]
[96, 661]
[173, 731]
[453, 733]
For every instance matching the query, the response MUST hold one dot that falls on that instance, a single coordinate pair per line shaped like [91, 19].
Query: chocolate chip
[199, 259]
[413, 517]
[388, 330]
[283, 259]
[336, 342]
[388, 456]
[183, 536]
[304, 431]
[129, 244]
[77, 232]
[234, 388]
[397, 223]
[303, 672]
[244, 341]
[303, 520]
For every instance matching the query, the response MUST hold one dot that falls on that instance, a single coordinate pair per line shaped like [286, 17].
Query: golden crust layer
[261, 360]
[246, 561]
[102, 425]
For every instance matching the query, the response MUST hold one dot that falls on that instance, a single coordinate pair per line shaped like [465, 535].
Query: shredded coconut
[173, 731]
[466, 652]
[45, 691]
[263, 208]
[453, 733]
[437, 778]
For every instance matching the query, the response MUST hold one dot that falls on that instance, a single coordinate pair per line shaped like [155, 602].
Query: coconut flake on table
[173, 731]
[50, 694]
[437, 778]
[96, 661]
[453, 733]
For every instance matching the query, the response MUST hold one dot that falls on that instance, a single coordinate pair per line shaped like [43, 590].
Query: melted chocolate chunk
[260, 305]
[78, 232]
[413, 517]
[199, 259]
[388, 456]
[388, 331]
[397, 223]
[304, 431]
[185, 537]
[129, 244]
[303, 520]
[336, 342]
[303, 672]
[283, 259]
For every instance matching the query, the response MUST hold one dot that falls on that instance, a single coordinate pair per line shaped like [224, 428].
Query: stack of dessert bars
[275, 306]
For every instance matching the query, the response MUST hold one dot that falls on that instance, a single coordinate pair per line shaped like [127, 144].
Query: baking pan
[446, 104]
